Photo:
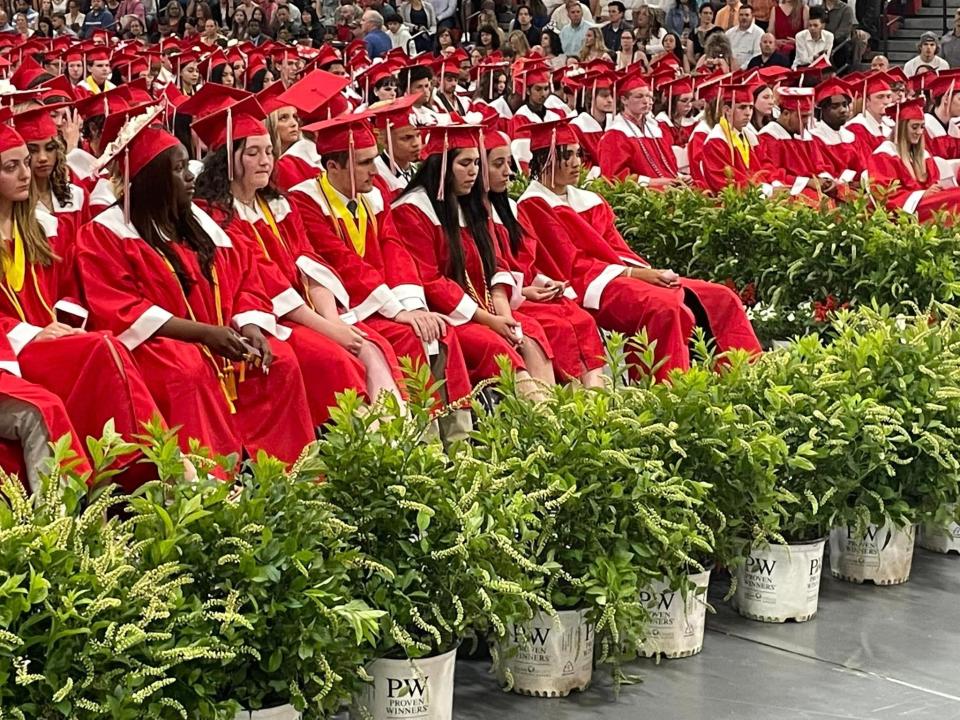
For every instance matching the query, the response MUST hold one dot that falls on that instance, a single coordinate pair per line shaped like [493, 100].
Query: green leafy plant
[435, 527]
[87, 632]
[273, 568]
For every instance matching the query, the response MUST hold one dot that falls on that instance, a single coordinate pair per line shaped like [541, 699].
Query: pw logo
[761, 566]
[406, 687]
[536, 636]
[663, 600]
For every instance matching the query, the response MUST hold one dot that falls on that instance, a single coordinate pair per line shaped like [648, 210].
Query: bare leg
[539, 370]
[593, 378]
[379, 376]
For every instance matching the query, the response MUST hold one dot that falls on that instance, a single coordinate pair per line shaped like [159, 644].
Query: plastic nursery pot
[676, 627]
[940, 539]
[780, 582]
[280, 712]
[549, 656]
[883, 556]
[420, 689]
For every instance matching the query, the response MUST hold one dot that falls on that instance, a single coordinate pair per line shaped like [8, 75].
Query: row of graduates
[237, 313]
[766, 128]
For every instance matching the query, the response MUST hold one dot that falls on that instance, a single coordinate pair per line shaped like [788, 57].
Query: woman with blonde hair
[904, 174]
[594, 47]
[718, 55]
[518, 41]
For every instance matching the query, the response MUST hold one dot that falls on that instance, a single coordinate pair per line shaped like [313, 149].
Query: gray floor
[871, 652]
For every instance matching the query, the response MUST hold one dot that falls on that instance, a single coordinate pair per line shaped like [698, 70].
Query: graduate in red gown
[576, 229]
[787, 152]
[634, 144]
[871, 126]
[940, 123]
[837, 145]
[573, 334]
[235, 191]
[51, 184]
[43, 320]
[591, 124]
[178, 293]
[904, 173]
[373, 277]
[449, 234]
[400, 143]
[728, 156]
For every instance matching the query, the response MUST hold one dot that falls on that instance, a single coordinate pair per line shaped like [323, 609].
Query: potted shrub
[610, 518]
[441, 566]
[272, 562]
[87, 632]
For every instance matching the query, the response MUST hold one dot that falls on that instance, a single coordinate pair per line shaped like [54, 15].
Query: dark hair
[818, 12]
[408, 76]
[618, 5]
[746, 6]
[494, 36]
[501, 203]
[340, 158]
[484, 84]
[448, 212]
[213, 184]
[154, 207]
[256, 82]
[555, 45]
[216, 75]
[678, 44]
[538, 162]
[382, 82]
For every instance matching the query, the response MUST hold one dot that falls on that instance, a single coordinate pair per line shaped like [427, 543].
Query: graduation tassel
[393, 163]
[230, 143]
[443, 167]
[351, 158]
[552, 156]
[484, 164]
[126, 185]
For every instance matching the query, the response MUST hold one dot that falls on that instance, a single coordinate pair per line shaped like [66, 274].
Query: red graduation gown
[886, 168]
[839, 152]
[867, 134]
[720, 164]
[578, 231]
[377, 285]
[588, 132]
[327, 367]
[93, 374]
[427, 242]
[698, 136]
[300, 162]
[630, 149]
[939, 141]
[50, 407]
[132, 291]
[572, 332]
[789, 159]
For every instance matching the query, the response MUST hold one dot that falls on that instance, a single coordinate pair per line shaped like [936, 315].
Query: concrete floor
[872, 653]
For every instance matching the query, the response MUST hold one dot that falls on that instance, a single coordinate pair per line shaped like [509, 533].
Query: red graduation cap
[797, 99]
[395, 114]
[550, 134]
[829, 88]
[210, 63]
[536, 75]
[939, 85]
[9, 138]
[269, 97]
[59, 88]
[209, 98]
[328, 56]
[876, 83]
[457, 136]
[92, 106]
[632, 80]
[735, 94]
[115, 121]
[36, 125]
[897, 76]
[314, 95]
[225, 125]
[28, 71]
[907, 110]
[344, 134]
[97, 53]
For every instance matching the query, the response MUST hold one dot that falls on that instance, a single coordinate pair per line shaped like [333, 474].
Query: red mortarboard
[35, 124]
[59, 87]
[98, 54]
[328, 56]
[103, 103]
[28, 71]
[945, 82]
[210, 98]
[443, 138]
[115, 121]
[212, 62]
[897, 76]
[797, 99]
[140, 140]
[224, 125]
[269, 97]
[534, 76]
[907, 110]
[828, 88]
[9, 138]
[313, 92]
[736, 93]
[342, 133]
[396, 114]
[632, 81]
[553, 133]
[877, 83]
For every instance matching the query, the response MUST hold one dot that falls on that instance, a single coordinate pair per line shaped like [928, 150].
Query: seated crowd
[193, 232]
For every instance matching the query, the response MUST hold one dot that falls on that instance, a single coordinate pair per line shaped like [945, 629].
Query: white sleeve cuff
[847, 176]
[410, 296]
[464, 311]
[263, 320]
[380, 300]
[21, 335]
[10, 366]
[766, 189]
[913, 200]
[83, 164]
[635, 263]
[322, 275]
[286, 301]
[591, 296]
[643, 180]
[73, 309]
[152, 319]
[799, 185]
[516, 292]
[502, 278]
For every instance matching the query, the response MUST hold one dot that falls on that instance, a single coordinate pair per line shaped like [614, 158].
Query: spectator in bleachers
[488, 38]
[745, 37]
[950, 42]
[422, 18]
[647, 31]
[814, 42]
[594, 47]
[523, 23]
[560, 17]
[698, 38]
[552, 48]
[518, 42]
[682, 17]
[717, 55]
[629, 52]
[789, 17]
[446, 12]
[613, 30]
[769, 57]
[444, 40]
[728, 15]
[573, 35]
[928, 48]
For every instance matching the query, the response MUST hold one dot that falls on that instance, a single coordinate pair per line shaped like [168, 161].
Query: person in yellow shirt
[727, 16]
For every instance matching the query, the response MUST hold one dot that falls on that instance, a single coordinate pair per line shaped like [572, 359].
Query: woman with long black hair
[449, 234]
[177, 291]
[333, 355]
[572, 332]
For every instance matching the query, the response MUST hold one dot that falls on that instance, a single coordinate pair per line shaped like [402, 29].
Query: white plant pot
[676, 627]
[780, 582]
[940, 539]
[884, 556]
[550, 656]
[779, 344]
[420, 689]
[281, 712]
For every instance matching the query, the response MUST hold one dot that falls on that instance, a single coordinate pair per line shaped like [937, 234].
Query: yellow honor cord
[737, 141]
[358, 235]
[15, 267]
